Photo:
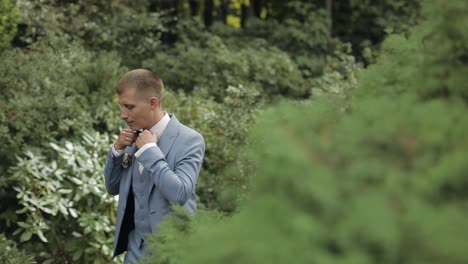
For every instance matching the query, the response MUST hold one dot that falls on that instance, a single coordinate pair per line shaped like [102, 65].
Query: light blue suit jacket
[173, 165]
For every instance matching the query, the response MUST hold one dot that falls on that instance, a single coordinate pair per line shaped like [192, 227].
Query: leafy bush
[49, 92]
[339, 74]
[370, 187]
[53, 90]
[10, 254]
[181, 226]
[365, 24]
[305, 38]
[438, 61]
[124, 26]
[216, 66]
[9, 18]
[62, 195]
[301, 31]
[378, 177]
[224, 178]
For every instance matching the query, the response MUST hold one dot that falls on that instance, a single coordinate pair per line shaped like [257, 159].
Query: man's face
[134, 110]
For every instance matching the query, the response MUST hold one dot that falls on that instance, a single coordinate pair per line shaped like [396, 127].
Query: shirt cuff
[145, 147]
[117, 152]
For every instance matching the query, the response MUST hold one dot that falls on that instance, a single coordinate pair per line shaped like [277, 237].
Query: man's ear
[154, 102]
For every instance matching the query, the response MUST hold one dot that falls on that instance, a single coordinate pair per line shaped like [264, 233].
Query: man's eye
[129, 107]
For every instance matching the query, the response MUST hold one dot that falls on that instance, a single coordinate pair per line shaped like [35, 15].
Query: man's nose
[123, 113]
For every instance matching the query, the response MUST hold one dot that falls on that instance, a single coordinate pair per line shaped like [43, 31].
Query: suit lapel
[132, 149]
[128, 180]
[169, 135]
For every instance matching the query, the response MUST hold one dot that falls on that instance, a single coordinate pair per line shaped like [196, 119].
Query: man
[153, 164]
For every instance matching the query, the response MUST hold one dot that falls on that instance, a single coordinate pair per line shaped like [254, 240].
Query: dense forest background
[335, 131]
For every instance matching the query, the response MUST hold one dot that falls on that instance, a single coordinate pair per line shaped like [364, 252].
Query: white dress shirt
[158, 129]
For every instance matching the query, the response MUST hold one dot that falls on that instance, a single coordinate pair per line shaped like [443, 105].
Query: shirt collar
[161, 125]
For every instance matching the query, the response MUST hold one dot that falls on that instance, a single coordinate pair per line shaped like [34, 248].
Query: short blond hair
[144, 81]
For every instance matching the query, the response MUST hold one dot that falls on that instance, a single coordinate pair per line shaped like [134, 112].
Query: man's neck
[157, 117]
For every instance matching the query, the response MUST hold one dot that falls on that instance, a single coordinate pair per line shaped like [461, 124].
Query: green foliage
[339, 75]
[225, 173]
[52, 90]
[124, 26]
[377, 177]
[275, 57]
[306, 40]
[302, 33]
[367, 23]
[390, 16]
[214, 66]
[65, 202]
[10, 254]
[59, 80]
[179, 225]
[9, 18]
[438, 60]
[445, 48]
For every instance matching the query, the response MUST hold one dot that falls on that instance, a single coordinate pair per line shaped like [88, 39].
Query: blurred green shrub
[431, 64]
[374, 186]
[376, 177]
[181, 226]
[68, 215]
[10, 254]
[224, 178]
[9, 19]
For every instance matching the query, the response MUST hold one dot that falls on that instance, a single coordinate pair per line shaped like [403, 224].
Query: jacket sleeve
[176, 185]
[113, 173]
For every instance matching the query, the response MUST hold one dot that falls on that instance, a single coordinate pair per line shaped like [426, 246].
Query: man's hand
[126, 138]
[146, 137]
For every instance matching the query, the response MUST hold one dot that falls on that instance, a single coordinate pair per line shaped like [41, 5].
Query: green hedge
[66, 213]
[54, 90]
[376, 177]
[10, 254]
[50, 92]
[212, 68]
[9, 19]
[124, 26]
[224, 178]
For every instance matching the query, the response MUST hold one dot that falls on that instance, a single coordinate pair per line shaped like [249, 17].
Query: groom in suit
[154, 163]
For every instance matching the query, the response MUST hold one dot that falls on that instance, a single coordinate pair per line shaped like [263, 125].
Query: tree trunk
[330, 16]
[154, 6]
[244, 14]
[172, 8]
[194, 7]
[208, 13]
[224, 8]
[257, 7]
